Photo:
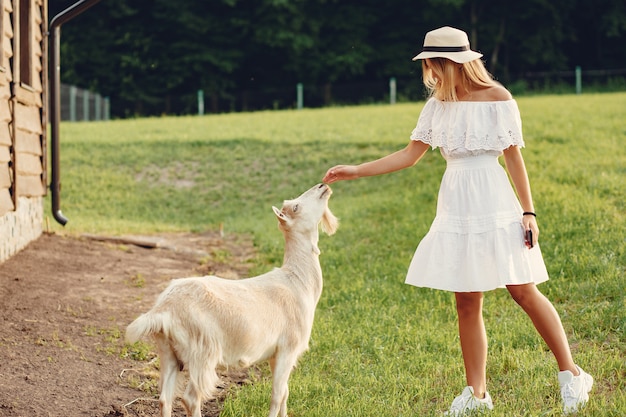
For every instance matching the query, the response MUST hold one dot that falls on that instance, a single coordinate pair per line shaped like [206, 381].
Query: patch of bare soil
[65, 303]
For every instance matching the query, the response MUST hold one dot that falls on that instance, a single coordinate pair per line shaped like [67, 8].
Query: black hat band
[446, 48]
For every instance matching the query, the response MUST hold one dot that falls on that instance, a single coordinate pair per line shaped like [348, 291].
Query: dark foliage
[152, 56]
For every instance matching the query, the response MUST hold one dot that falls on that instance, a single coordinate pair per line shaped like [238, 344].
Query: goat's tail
[146, 324]
[198, 355]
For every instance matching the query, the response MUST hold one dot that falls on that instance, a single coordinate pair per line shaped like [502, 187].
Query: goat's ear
[281, 216]
[330, 223]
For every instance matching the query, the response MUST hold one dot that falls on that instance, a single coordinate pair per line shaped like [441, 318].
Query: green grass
[380, 347]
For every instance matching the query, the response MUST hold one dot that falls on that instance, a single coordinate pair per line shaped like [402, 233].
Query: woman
[483, 237]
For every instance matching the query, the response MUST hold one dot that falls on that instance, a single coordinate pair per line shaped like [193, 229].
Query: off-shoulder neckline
[475, 101]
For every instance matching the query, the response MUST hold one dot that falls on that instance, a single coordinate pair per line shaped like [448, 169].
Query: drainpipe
[55, 99]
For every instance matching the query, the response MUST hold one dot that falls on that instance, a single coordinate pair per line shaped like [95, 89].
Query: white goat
[205, 323]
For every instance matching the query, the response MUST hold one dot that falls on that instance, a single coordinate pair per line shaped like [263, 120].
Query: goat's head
[307, 211]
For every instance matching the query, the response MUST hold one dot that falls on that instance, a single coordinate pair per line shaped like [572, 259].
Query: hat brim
[458, 57]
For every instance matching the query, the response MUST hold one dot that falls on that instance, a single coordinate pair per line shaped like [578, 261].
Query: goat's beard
[330, 223]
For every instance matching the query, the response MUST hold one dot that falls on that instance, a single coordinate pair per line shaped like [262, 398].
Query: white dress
[476, 242]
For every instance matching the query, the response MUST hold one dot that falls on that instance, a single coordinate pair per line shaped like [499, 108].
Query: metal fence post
[200, 102]
[98, 108]
[300, 96]
[392, 90]
[85, 105]
[72, 103]
[107, 108]
[579, 81]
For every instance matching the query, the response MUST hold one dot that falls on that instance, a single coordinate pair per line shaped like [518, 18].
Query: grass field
[380, 347]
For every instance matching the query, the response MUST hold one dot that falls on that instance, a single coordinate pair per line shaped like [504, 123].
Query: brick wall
[20, 227]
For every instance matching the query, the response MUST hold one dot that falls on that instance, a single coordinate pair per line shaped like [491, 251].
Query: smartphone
[529, 238]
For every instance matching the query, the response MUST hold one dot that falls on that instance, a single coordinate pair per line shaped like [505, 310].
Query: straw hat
[447, 42]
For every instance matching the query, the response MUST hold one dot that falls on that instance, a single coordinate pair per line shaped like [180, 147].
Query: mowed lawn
[380, 347]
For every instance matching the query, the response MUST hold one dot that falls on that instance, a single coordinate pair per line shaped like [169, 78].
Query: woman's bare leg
[547, 322]
[469, 307]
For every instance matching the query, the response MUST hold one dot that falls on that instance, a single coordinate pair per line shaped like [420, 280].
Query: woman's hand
[340, 173]
[530, 223]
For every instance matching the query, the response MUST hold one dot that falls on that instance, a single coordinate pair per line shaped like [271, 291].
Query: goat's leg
[281, 367]
[169, 375]
[192, 398]
[202, 381]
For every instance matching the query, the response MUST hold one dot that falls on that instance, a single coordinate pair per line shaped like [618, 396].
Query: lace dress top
[469, 128]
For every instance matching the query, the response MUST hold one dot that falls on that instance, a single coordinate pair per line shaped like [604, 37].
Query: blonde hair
[473, 74]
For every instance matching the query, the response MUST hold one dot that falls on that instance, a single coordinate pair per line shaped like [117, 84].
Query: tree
[151, 56]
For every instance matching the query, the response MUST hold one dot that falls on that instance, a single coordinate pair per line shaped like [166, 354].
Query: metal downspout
[55, 100]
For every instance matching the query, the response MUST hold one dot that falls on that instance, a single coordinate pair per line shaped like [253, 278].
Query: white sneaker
[467, 402]
[574, 389]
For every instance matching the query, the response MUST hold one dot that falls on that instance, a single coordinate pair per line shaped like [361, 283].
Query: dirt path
[64, 305]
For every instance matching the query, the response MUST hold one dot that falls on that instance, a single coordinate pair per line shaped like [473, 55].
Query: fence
[578, 81]
[308, 95]
[83, 105]
[407, 88]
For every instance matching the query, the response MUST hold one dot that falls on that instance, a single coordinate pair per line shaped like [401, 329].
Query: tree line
[152, 56]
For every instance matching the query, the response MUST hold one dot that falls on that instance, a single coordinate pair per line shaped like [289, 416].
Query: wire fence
[310, 96]
[82, 105]
[78, 104]
[577, 81]
[394, 90]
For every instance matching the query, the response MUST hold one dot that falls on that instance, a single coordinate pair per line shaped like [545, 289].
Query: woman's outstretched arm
[396, 161]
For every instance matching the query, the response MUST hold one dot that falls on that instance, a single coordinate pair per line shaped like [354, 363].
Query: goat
[204, 323]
